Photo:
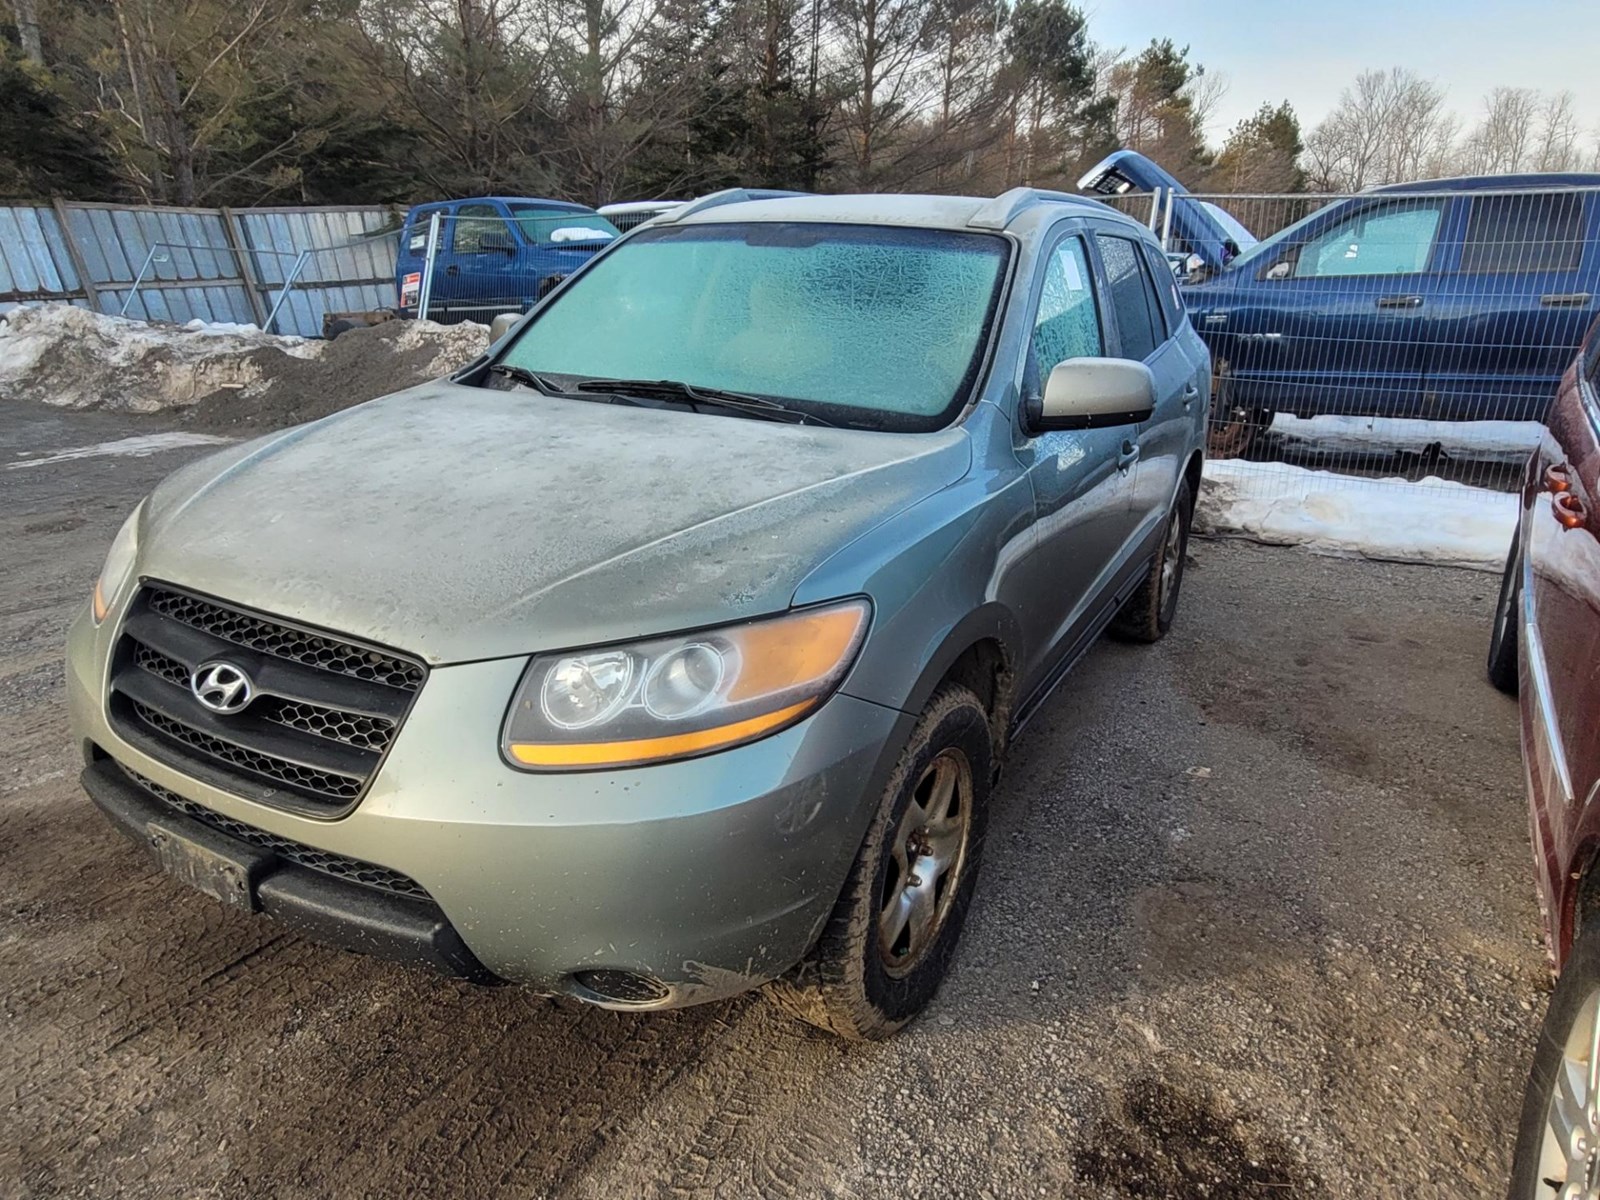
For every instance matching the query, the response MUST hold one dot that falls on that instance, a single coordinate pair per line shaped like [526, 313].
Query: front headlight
[118, 566]
[674, 697]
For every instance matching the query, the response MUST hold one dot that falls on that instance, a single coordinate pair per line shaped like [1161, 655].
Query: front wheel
[1558, 1137]
[893, 932]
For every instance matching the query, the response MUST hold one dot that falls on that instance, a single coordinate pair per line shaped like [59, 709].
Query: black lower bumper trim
[346, 915]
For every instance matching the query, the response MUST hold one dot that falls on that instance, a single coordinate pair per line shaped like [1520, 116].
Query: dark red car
[1544, 649]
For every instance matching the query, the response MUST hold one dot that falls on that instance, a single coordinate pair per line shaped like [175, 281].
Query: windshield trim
[968, 393]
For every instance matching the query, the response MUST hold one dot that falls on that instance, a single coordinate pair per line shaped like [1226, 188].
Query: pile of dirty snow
[223, 376]
[75, 358]
[1428, 521]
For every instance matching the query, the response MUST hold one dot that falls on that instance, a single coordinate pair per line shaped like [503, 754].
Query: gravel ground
[1256, 921]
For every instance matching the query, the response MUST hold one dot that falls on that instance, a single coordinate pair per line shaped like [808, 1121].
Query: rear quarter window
[1535, 231]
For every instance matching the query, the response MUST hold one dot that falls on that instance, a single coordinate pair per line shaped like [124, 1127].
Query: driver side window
[1379, 240]
[1068, 322]
[473, 223]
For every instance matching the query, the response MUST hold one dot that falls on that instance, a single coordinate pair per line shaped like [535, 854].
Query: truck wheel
[1147, 614]
[893, 932]
[1557, 1140]
[1503, 641]
[1232, 431]
[339, 327]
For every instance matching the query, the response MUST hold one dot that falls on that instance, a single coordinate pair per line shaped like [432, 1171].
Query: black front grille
[286, 641]
[325, 861]
[324, 712]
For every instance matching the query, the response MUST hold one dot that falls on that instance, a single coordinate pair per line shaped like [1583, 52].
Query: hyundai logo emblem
[222, 687]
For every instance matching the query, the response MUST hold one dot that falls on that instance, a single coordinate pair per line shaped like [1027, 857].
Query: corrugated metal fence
[215, 264]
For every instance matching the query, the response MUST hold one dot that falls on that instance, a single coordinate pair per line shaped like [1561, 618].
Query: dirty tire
[1503, 639]
[340, 327]
[1580, 980]
[1148, 613]
[1231, 431]
[843, 985]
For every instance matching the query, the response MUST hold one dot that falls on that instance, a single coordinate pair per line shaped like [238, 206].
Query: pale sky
[1306, 52]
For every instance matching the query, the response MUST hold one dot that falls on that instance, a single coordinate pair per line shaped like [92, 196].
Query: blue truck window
[473, 223]
[1381, 240]
[1537, 231]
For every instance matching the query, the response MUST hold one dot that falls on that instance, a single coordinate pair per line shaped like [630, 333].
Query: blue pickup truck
[496, 254]
[1454, 299]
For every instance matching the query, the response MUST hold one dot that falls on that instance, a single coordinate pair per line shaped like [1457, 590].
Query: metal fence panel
[180, 264]
[32, 257]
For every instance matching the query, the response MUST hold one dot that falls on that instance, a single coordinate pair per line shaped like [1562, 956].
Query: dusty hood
[459, 523]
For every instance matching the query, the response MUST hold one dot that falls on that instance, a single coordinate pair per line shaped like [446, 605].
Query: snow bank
[1501, 440]
[1431, 521]
[453, 345]
[74, 358]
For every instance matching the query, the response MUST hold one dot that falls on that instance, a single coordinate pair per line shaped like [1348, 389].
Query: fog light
[623, 987]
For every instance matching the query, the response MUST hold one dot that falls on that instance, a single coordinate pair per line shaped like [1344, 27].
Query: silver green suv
[670, 649]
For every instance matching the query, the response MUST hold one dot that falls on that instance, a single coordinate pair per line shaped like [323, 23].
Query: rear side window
[1132, 297]
[1538, 231]
[1166, 285]
[1068, 324]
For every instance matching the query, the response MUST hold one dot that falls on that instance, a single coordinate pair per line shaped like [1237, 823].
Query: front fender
[935, 573]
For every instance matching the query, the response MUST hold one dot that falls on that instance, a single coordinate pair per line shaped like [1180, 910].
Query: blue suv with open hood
[496, 254]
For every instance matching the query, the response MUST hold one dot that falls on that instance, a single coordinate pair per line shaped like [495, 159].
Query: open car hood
[1208, 231]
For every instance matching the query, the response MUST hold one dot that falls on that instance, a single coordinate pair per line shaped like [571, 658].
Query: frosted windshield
[863, 325]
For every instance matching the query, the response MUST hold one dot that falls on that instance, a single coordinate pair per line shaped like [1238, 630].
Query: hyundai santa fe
[670, 649]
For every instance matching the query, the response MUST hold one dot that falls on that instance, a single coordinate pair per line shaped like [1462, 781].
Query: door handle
[1556, 478]
[1399, 301]
[1568, 510]
[1129, 455]
[1191, 394]
[1565, 299]
[452, 269]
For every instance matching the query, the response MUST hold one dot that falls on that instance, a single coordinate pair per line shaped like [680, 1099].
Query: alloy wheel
[1569, 1161]
[1171, 561]
[927, 856]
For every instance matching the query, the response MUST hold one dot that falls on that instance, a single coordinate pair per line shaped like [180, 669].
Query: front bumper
[710, 876]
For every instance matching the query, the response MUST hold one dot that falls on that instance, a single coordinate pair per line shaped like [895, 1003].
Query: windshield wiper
[676, 391]
[522, 375]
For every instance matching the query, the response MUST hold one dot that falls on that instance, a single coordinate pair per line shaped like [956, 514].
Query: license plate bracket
[206, 866]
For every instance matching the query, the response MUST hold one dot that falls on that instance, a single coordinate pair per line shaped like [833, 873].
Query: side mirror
[497, 239]
[1279, 270]
[1092, 393]
[501, 325]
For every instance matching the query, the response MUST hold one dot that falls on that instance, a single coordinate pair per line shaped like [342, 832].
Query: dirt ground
[1256, 921]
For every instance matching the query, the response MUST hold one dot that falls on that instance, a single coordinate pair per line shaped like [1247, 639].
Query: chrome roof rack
[1006, 207]
[718, 199]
